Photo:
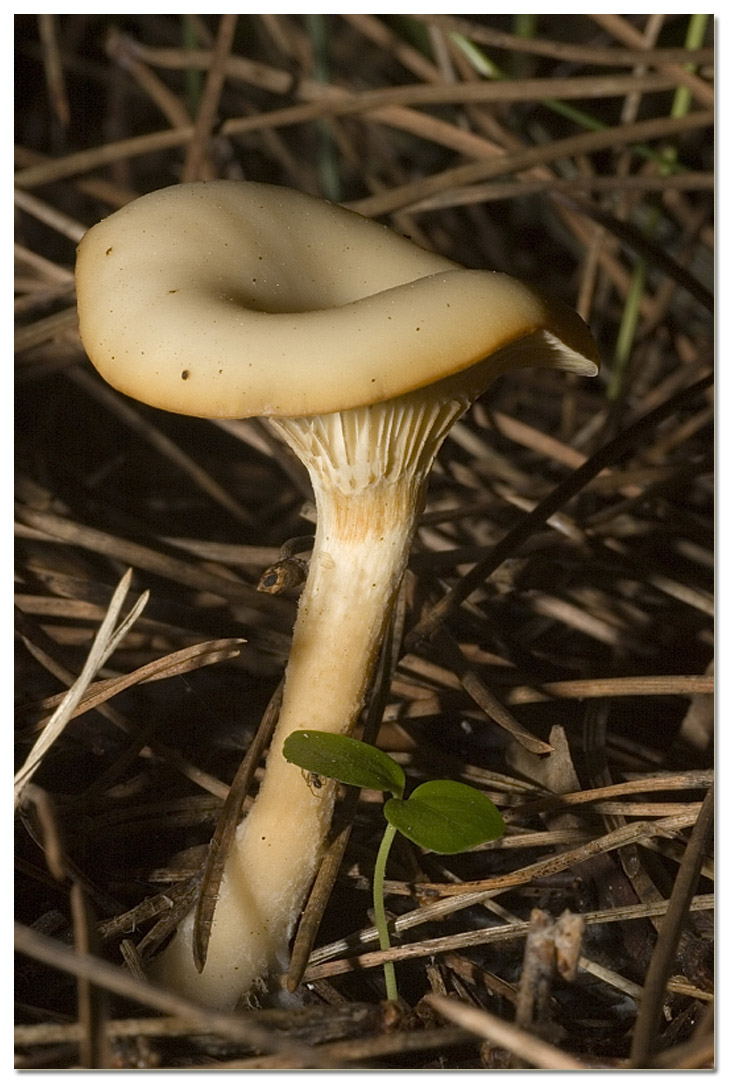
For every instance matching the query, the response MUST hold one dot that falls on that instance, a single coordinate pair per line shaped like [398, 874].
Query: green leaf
[445, 816]
[345, 759]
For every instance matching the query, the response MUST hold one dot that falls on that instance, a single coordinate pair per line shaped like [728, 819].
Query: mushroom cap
[228, 299]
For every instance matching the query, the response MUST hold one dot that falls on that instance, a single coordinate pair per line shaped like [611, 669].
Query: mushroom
[230, 299]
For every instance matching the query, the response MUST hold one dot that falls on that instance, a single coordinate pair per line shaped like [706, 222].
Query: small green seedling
[441, 815]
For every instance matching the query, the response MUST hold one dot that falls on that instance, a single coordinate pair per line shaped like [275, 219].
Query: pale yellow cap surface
[228, 299]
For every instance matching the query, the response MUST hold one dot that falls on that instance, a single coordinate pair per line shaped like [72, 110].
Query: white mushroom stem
[369, 468]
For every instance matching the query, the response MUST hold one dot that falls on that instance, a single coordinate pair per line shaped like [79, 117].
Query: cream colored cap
[227, 299]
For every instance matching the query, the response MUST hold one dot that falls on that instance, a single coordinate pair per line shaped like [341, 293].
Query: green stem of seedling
[381, 923]
[444, 816]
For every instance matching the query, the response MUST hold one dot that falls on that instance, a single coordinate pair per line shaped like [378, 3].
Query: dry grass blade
[114, 979]
[640, 685]
[532, 1050]
[111, 632]
[45, 814]
[136, 421]
[569, 51]
[193, 169]
[650, 1011]
[193, 576]
[509, 932]
[93, 1008]
[557, 616]
[562, 493]
[54, 67]
[408, 194]
[616, 839]
[177, 663]
[220, 841]
[484, 697]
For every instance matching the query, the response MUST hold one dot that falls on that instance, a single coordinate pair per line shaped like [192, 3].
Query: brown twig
[648, 1021]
